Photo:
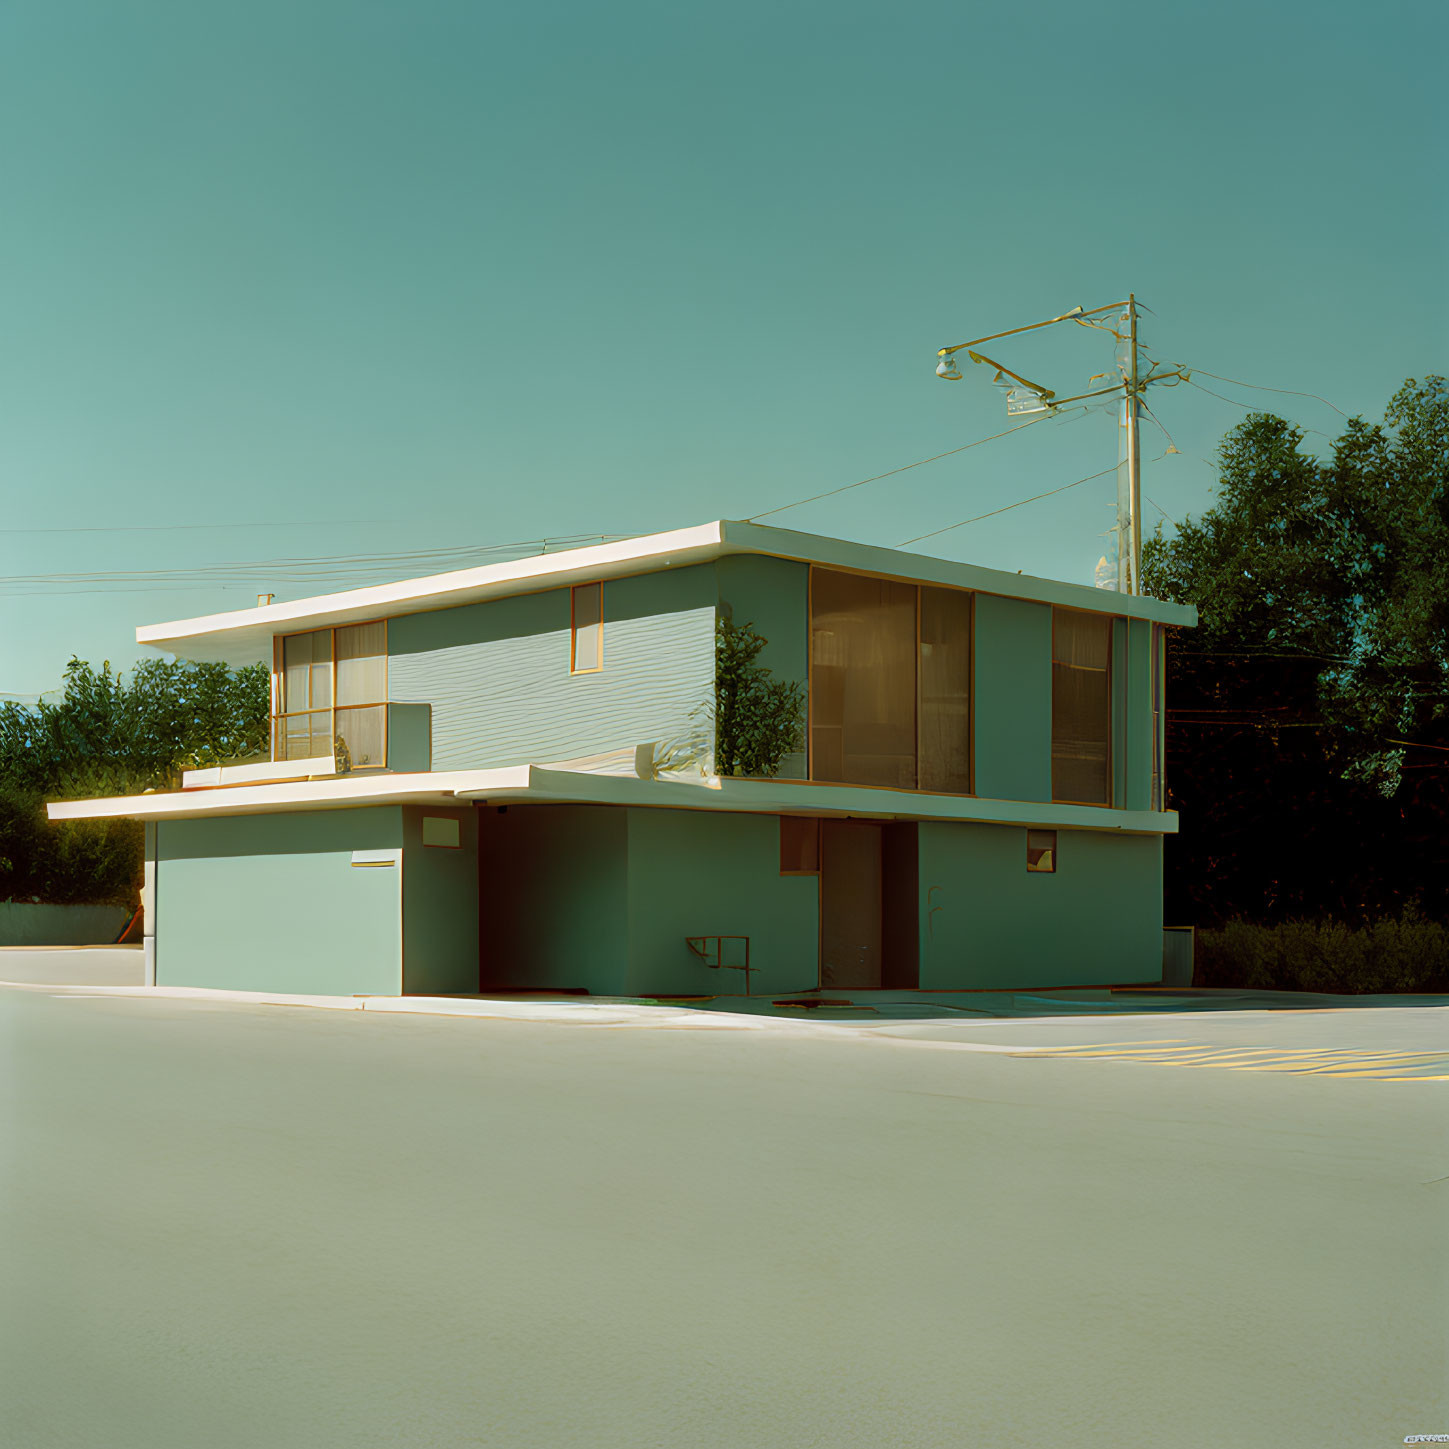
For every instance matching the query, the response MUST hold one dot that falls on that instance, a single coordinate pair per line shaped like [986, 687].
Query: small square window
[799, 845]
[1041, 850]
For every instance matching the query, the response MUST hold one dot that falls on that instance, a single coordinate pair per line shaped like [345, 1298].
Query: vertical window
[799, 845]
[1159, 663]
[1041, 850]
[1081, 707]
[586, 653]
[333, 696]
[862, 680]
[945, 691]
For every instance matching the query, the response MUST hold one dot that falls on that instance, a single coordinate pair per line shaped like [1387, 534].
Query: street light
[1032, 397]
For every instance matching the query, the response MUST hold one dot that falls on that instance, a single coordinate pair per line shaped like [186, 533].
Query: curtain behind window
[863, 674]
[1081, 707]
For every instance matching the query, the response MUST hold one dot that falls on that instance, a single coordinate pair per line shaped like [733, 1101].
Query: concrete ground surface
[229, 1223]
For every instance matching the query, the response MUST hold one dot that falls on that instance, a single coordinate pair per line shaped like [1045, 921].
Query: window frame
[810, 695]
[332, 711]
[574, 666]
[1111, 621]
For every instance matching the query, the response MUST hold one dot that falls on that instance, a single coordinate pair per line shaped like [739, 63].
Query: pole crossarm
[1075, 315]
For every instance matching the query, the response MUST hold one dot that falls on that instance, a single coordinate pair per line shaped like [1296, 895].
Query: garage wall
[986, 922]
[440, 906]
[274, 903]
[697, 873]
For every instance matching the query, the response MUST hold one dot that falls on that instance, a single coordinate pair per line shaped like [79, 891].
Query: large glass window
[332, 695]
[890, 683]
[1081, 707]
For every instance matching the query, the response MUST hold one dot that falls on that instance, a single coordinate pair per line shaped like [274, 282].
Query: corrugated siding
[497, 674]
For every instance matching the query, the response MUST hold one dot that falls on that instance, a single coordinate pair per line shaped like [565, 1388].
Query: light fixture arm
[1075, 315]
[1046, 392]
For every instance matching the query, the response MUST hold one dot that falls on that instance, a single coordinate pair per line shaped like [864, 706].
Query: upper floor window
[331, 695]
[890, 683]
[586, 648]
[1081, 707]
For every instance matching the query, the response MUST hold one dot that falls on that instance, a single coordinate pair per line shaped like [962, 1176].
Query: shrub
[1407, 953]
[758, 719]
[74, 862]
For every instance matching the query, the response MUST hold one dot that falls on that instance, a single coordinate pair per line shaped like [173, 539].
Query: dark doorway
[868, 915]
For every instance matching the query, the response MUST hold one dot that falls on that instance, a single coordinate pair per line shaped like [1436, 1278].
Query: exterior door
[850, 904]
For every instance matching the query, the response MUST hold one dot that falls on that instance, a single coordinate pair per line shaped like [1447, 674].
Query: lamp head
[946, 367]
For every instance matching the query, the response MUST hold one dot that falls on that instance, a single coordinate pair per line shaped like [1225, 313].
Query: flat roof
[552, 785]
[244, 636]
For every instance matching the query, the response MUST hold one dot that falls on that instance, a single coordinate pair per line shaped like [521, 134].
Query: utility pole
[1129, 467]
[1031, 397]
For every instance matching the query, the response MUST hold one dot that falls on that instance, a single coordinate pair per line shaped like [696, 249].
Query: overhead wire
[1263, 387]
[334, 568]
[831, 492]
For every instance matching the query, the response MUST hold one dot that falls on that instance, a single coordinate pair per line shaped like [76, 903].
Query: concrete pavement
[230, 1223]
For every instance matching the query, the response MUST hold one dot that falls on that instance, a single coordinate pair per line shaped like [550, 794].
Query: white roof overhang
[244, 636]
[539, 785]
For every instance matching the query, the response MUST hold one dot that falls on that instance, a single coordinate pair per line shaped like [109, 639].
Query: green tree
[758, 719]
[112, 736]
[1308, 714]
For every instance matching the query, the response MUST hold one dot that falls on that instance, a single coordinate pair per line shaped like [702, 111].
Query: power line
[1261, 387]
[1020, 503]
[327, 568]
[831, 492]
[182, 527]
[1247, 407]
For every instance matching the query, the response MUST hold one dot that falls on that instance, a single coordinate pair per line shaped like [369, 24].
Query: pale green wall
[440, 906]
[553, 897]
[409, 737]
[274, 903]
[772, 594]
[497, 674]
[987, 922]
[698, 874]
[1013, 699]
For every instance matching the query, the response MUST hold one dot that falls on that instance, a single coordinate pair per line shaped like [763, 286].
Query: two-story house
[501, 778]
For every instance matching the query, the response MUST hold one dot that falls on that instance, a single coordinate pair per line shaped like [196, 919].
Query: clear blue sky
[376, 278]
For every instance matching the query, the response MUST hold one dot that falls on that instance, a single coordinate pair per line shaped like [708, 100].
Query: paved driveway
[270, 1226]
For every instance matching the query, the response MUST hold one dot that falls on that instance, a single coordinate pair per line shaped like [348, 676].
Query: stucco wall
[697, 874]
[1013, 699]
[274, 903]
[987, 922]
[497, 674]
[440, 906]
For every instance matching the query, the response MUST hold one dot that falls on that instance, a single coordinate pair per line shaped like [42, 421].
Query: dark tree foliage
[758, 719]
[112, 736]
[1308, 714]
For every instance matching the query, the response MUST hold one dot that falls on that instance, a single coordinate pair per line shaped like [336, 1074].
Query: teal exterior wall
[409, 737]
[497, 674]
[772, 594]
[1013, 699]
[274, 903]
[440, 906]
[986, 922]
[553, 898]
[698, 874]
